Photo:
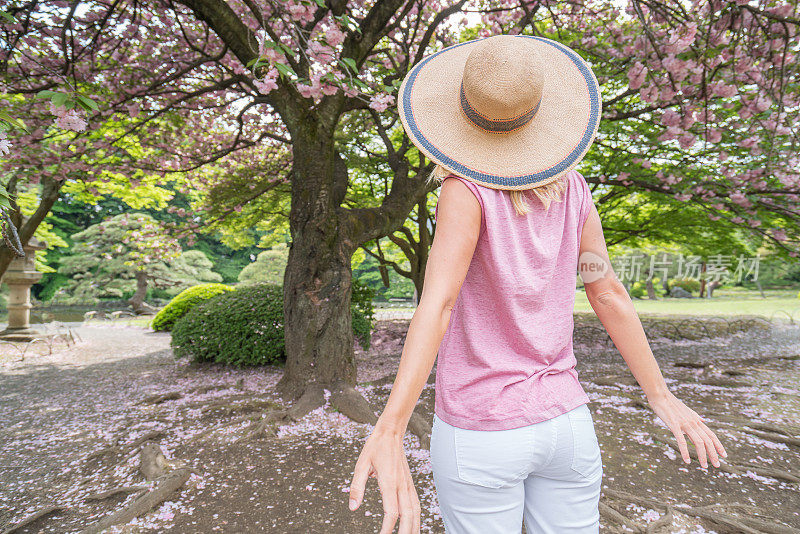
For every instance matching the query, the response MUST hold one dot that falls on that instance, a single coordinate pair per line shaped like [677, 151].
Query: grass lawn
[733, 301]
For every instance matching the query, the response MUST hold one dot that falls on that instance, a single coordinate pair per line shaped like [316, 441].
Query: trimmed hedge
[185, 301]
[689, 284]
[245, 327]
[242, 327]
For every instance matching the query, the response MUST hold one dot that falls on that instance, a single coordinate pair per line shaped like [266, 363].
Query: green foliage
[106, 257]
[363, 313]
[190, 267]
[245, 327]
[268, 267]
[49, 284]
[241, 328]
[689, 284]
[639, 288]
[185, 301]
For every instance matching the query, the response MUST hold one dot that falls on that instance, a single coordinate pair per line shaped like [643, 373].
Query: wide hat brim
[554, 141]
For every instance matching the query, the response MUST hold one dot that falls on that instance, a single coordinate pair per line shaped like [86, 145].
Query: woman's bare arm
[613, 306]
[457, 229]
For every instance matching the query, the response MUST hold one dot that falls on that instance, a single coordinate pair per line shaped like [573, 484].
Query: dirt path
[57, 411]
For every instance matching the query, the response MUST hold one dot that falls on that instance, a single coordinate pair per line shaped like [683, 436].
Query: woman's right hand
[681, 419]
[383, 457]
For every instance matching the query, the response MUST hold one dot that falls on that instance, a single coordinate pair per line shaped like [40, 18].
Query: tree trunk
[703, 280]
[137, 300]
[50, 190]
[316, 285]
[651, 290]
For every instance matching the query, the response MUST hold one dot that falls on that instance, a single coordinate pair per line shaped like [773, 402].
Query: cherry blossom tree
[249, 87]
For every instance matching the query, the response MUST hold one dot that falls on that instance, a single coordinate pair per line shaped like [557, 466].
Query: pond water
[64, 315]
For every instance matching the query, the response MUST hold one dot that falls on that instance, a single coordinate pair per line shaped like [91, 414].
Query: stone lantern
[20, 276]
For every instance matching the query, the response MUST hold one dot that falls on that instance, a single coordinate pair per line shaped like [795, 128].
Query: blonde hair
[546, 193]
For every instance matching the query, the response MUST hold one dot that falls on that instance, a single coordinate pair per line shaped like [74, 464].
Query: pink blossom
[739, 198]
[306, 91]
[676, 67]
[329, 89]
[381, 102]
[350, 91]
[274, 56]
[301, 12]
[320, 52]
[687, 140]
[667, 94]
[670, 133]
[714, 136]
[649, 94]
[268, 83]
[722, 89]
[334, 36]
[71, 121]
[133, 109]
[681, 38]
[670, 118]
[762, 103]
[779, 234]
[637, 75]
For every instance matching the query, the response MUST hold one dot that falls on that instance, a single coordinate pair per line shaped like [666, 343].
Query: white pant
[548, 472]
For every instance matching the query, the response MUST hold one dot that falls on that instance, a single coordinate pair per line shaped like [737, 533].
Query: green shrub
[639, 288]
[245, 327]
[689, 284]
[242, 327]
[185, 301]
[362, 312]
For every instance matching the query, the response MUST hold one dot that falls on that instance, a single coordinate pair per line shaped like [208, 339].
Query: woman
[506, 119]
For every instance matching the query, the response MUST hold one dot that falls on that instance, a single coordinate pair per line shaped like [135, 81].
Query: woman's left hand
[384, 458]
[683, 420]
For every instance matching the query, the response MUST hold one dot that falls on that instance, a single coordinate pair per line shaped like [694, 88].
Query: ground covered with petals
[73, 425]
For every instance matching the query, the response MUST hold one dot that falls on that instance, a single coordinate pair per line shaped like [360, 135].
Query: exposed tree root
[610, 513]
[165, 488]
[116, 449]
[773, 436]
[747, 524]
[724, 465]
[175, 395]
[723, 382]
[615, 380]
[690, 364]
[662, 522]
[115, 491]
[153, 464]
[420, 427]
[47, 510]
[312, 398]
[351, 403]
[162, 397]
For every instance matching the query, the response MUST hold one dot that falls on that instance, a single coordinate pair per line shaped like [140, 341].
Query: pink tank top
[506, 359]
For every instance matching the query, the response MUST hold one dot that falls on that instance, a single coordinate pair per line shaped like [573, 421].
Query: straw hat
[507, 111]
